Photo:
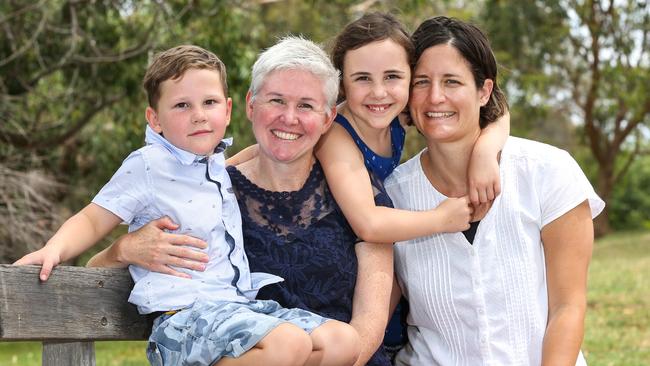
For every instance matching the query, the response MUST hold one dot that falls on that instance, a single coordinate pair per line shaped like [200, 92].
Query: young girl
[374, 55]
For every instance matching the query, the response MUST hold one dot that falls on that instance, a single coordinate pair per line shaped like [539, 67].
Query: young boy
[209, 317]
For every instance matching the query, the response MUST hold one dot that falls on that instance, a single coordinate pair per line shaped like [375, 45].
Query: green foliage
[630, 205]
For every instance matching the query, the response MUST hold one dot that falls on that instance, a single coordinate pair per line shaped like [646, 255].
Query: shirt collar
[184, 157]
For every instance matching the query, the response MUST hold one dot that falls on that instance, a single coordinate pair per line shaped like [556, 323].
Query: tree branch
[34, 141]
[29, 44]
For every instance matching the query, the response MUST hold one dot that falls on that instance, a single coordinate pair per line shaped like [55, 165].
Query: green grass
[617, 328]
[106, 354]
[617, 324]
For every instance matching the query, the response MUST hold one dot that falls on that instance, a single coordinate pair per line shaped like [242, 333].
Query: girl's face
[376, 82]
[445, 101]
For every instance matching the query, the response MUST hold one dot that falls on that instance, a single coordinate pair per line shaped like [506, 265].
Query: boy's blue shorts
[208, 331]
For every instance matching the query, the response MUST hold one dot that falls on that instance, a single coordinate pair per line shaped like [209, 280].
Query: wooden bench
[73, 308]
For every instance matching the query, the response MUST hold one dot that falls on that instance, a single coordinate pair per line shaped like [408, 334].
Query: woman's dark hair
[474, 46]
[371, 27]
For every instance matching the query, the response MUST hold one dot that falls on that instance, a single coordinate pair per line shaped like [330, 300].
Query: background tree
[62, 64]
[71, 103]
[589, 60]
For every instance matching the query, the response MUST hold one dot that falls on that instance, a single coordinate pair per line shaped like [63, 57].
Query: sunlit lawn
[618, 317]
[617, 326]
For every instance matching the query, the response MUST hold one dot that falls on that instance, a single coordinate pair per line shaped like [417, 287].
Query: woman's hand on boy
[152, 248]
[48, 257]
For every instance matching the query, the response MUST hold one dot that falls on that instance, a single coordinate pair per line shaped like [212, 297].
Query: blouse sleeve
[563, 186]
[126, 193]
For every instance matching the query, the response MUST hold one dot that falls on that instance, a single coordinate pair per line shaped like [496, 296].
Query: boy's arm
[483, 170]
[350, 184]
[76, 235]
[243, 156]
[372, 296]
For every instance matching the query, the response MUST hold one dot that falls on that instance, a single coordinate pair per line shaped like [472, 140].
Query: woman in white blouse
[512, 289]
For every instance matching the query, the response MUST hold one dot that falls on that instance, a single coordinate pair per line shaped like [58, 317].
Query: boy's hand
[454, 215]
[48, 257]
[483, 178]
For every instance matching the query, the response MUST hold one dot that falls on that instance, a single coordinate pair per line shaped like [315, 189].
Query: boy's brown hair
[173, 63]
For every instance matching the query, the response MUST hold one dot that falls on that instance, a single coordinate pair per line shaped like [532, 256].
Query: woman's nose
[289, 114]
[436, 94]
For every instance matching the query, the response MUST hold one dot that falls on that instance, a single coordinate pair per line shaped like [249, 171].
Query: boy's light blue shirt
[195, 192]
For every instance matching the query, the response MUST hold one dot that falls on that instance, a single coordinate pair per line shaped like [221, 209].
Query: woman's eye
[420, 82]
[305, 106]
[362, 78]
[452, 82]
[276, 101]
[393, 76]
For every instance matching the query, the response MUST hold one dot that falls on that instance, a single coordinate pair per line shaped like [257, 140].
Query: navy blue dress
[303, 237]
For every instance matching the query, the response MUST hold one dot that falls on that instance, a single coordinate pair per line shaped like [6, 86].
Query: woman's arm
[568, 243]
[483, 170]
[372, 296]
[77, 234]
[350, 184]
[152, 248]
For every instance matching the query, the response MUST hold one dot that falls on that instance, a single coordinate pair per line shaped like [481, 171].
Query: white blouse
[486, 303]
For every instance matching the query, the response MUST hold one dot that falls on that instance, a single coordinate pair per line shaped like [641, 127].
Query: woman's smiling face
[289, 114]
[445, 100]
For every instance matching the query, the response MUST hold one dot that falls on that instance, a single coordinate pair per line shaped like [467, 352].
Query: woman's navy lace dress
[303, 237]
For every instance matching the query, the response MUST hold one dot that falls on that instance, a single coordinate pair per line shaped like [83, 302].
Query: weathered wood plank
[75, 303]
[68, 353]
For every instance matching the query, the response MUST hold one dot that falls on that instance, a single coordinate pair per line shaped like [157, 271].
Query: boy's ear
[152, 119]
[229, 110]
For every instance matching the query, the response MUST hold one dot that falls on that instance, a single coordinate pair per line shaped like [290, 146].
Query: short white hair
[297, 53]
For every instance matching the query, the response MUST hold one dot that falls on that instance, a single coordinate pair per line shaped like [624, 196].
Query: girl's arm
[77, 234]
[568, 243]
[243, 156]
[350, 184]
[483, 170]
[372, 296]
[152, 248]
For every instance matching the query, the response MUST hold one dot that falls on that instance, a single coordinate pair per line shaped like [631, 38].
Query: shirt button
[480, 311]
[483, 340]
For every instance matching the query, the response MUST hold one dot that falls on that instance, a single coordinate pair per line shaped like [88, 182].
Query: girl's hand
[48, 257]
[154, 249]
[454, 215]
[483, 178]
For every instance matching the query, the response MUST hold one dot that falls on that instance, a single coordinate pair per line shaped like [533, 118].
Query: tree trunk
[601, 223]
[605, 187]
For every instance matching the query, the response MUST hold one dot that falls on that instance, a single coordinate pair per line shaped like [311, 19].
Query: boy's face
[192, 111]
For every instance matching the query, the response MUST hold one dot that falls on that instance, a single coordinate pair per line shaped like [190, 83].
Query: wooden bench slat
[75, 303]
